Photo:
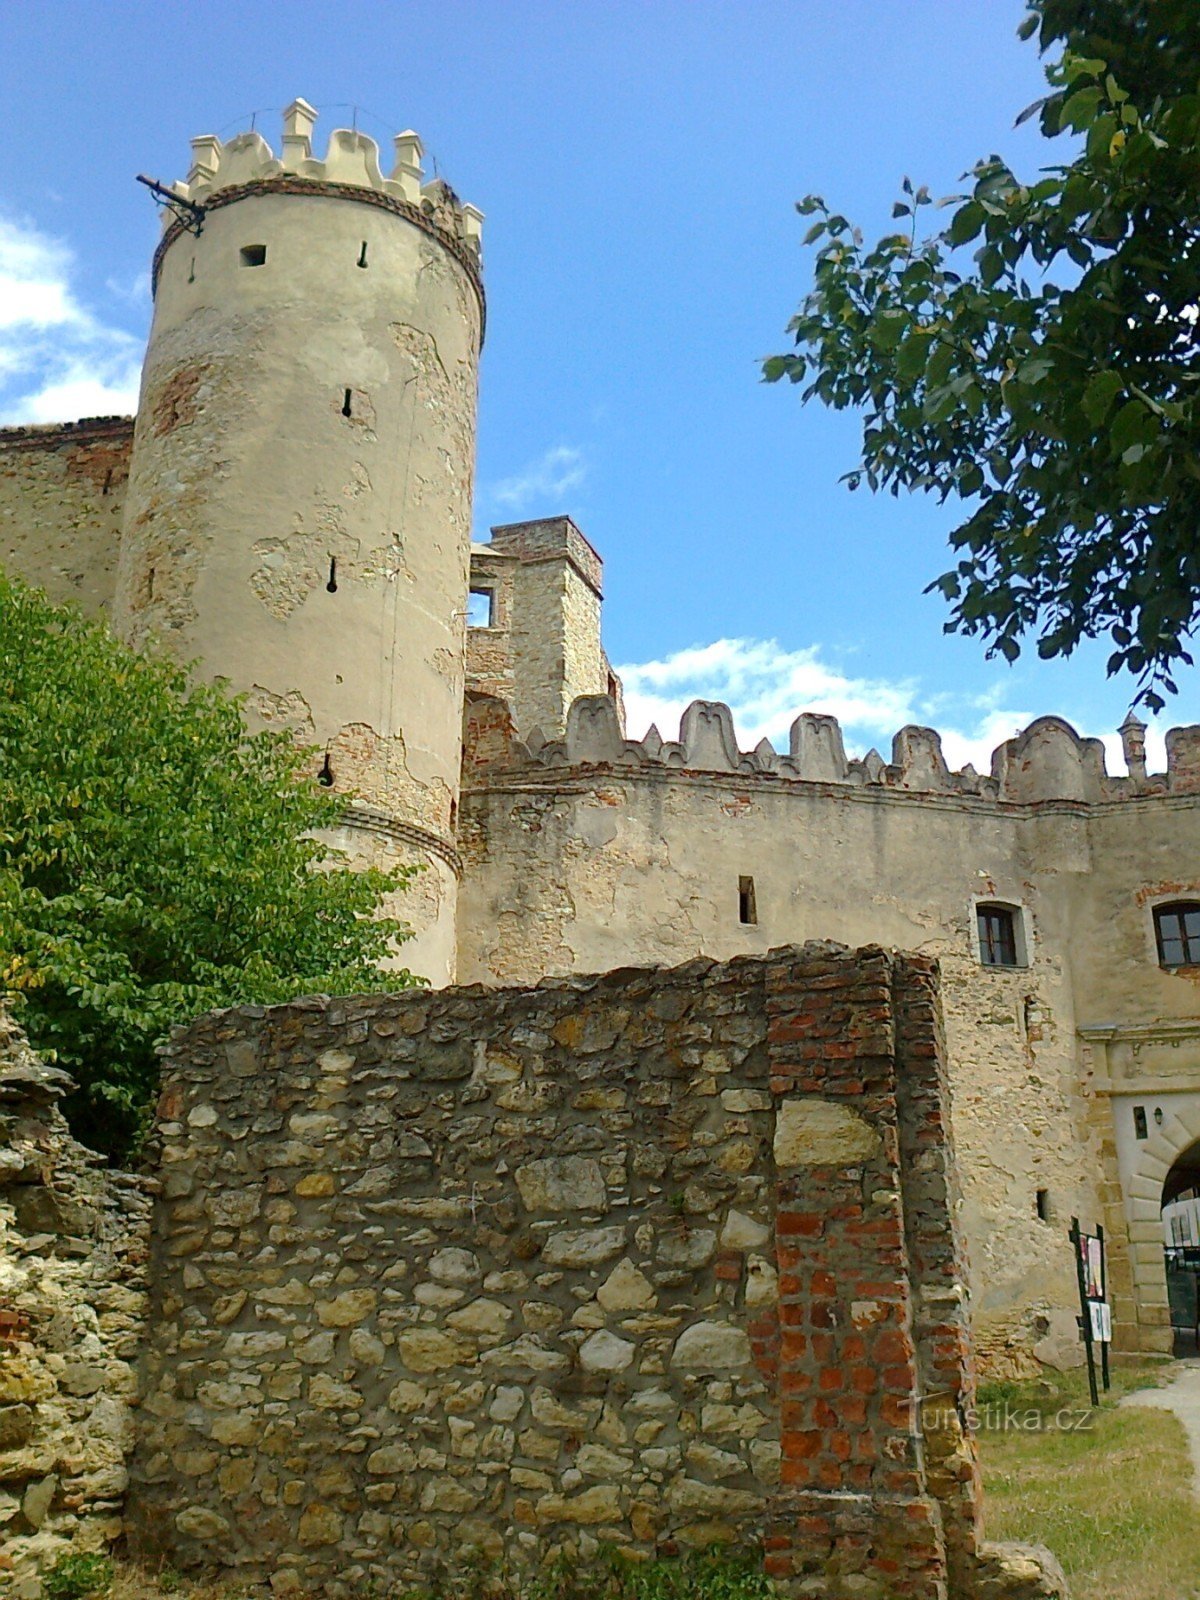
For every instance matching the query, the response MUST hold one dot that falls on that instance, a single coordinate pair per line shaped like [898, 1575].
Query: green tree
[156, 860]
[1050, 382]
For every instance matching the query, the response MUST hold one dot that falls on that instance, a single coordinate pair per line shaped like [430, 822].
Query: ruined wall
[597, 849]
[62, 496]
[624, 1258]
[72, 1302]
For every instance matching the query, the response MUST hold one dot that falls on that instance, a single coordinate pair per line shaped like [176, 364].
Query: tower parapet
[299, 507]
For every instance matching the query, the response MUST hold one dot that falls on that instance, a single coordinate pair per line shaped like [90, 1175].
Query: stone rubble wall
[73, 1246]
[505, 1273]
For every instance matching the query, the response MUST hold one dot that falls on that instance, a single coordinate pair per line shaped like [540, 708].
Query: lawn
[1113, 1499]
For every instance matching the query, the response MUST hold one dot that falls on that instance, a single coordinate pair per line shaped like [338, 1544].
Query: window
[1140, 1131]
[998, 936]
[1042, 1205]
[481, 607]
[747, 909]
[254, 255]
[1177, 930]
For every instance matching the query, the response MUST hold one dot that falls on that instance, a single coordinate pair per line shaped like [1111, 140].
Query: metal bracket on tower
[187, 211]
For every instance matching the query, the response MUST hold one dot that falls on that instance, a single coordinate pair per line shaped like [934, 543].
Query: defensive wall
[583, 852]
[654, 1258]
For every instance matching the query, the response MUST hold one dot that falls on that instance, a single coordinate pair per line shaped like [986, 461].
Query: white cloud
[551, 476]
[767, 687]
[58, 360]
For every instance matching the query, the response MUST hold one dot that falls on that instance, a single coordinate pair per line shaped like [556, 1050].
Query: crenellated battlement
[1047, 761]
[351, 160]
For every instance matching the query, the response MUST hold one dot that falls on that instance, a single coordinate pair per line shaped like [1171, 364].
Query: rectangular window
[1177, 930]
[747, 909]
[997, 936]
[481, 608]
[254, 255]
[1139, 1122]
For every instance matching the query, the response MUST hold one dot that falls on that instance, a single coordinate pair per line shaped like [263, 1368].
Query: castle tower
[299, 507]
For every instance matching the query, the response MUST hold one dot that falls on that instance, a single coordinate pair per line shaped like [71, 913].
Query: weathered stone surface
[605, 1352]
[562, 1183]
[626, 1289]
[583, 1247]
[711, 1347]
[818, 1133]
[346, 1309]
[601, 1504]
[432, 1350]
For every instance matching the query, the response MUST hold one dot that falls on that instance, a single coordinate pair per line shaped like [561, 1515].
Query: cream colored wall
[248, 481]
[62, 495]
[574, 874]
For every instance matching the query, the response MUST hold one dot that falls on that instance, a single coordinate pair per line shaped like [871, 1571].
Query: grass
[1114, 1500]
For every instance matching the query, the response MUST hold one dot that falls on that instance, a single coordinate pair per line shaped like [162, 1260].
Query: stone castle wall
[62, 498]
[598, 849]
[73, 1245]
[654, 1258]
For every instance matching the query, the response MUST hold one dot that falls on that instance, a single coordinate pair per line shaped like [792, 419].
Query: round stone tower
[299, 508]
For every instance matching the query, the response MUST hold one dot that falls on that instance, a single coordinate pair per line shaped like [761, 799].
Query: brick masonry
[655, 1258]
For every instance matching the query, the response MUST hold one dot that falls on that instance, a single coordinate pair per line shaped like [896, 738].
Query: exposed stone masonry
[627, 1258]
[72, 1259]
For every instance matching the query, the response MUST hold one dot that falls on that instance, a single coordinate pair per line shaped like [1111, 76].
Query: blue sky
[638, 165]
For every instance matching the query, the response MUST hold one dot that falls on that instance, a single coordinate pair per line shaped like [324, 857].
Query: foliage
[1052, 385]
[712, 1574]
[78, 1577]
[155, 861]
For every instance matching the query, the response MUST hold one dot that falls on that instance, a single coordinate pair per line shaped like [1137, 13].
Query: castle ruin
[291, 507]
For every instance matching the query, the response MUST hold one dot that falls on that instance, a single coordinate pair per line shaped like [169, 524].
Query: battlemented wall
[595, 849]
[62, 497]
[654, 1258]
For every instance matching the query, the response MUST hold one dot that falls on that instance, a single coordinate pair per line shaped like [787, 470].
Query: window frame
[981, 904]
[493, 603]
[1189, 943]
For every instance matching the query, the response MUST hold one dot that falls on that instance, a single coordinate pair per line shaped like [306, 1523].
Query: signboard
[1095, 1321]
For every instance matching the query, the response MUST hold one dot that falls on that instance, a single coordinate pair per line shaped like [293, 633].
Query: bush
[78, 1577]
[156, 860]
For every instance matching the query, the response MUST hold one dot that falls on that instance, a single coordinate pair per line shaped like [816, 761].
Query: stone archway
[1172, 1146]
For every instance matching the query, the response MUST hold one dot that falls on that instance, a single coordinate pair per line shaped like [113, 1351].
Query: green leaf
[1099, 395]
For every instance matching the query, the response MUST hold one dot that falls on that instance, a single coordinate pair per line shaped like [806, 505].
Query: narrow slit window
[1043, 1205]
[481, 608]
[107, 481]
[347, 397]
[253, 255]
[747, 908]
[325, 776]
[332, 584]
[1140, 1130]
[1177, 933]
[192, 271]
[362, 254]
[997, 936]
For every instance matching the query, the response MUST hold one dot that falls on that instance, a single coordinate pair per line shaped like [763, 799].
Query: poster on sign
[1093, 1269]
[1101, 1317]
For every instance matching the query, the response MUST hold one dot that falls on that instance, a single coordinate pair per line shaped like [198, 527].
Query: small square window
[1177, 933]
[997, 936]
[481, 608]
[254, 255]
